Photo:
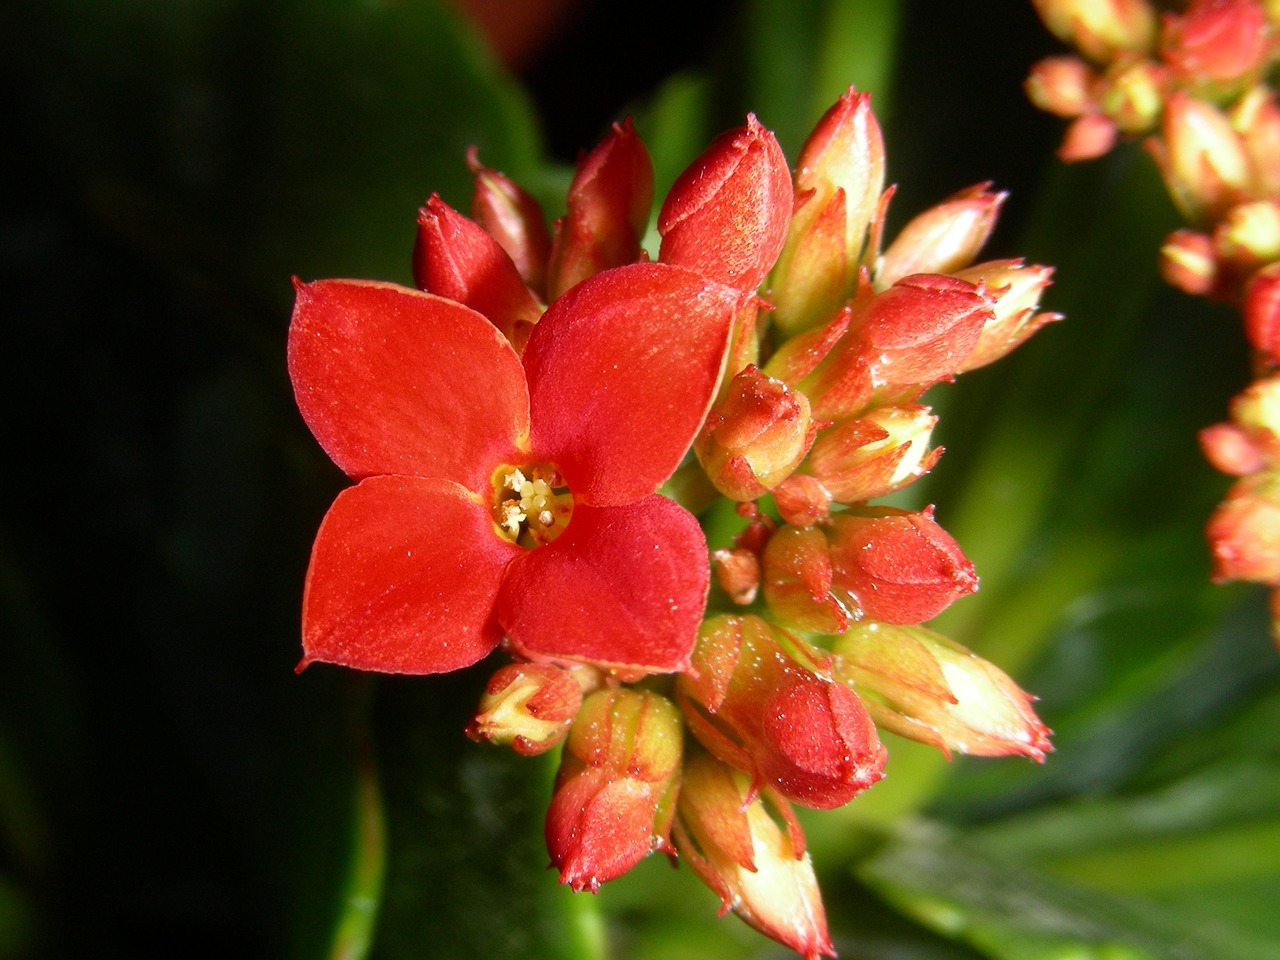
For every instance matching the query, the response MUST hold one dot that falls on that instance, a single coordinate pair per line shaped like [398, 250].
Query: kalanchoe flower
[762, 701]
[921, 685]
[616, 789]
[759, 870]
[499, 497]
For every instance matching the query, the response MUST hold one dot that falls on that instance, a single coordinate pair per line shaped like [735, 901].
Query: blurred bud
[1089, 136]
[896, 566]
[1230, 449]
[727, 214]
[615, 791]
[608, 211]
[758, 869]
[1101, 29]
[513, 218]
[1248, 235]
[921, 685]
[802, 501]
[454, 257]
[1201, 157]
[762, 701]
[1188, 262]
[738, 573]
[1131, 94]
[528, 706]
[755, 437]
[1256, 410]
[1015, 287]
[874, 455]
[839, 179]
[1256, 117]
[1216, 42]
[1060, 85]
[1244, 532]
[1262, 312]
[943, 239]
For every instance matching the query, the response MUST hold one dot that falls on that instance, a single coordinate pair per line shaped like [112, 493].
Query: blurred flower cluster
[1196, 84]
[539, 433]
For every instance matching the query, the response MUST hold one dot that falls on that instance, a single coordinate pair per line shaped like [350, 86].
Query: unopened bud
[796, 580]
[1015, 287]
[943, 239]
[802, 501]
[528, 706]
[1101, 29]
[1262, 312]
[876, 454]
[1231, 449]
[727, 214]
[1189, 263]
[1089, 136]
[921, 685]
[1256, 117]
[515, 219]
[1244, 532]
[1131, 94]
[1256, 410]
[1060, 85]
[1248, 235]
[738, 573]
[755, 436]
[1216, 42]
[1201, 157]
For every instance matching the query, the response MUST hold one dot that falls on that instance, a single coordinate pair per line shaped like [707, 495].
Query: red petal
[403, 577]
[622, 370]
[620, 588]
[394, 381]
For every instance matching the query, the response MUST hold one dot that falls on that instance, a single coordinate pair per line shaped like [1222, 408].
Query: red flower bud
[1248, 235]
[943, 239]
[1188, 262]
[455, 258]
[1060, 85]
[1256, 117]
[513, 218]
[760, 700]
[802, 501]
[1089, 136]
[1101, 29]
[875, 455]
[797, 576]
[1015, 288]
[1202, 158]
[1232, 450]
[1244, 532]
[1216, 41]
[1262, 312]
[758, 869]
[528, 706]
[1131, 94]
[615, 791]
[897, 567]
[921, 685]
[755, 436]
[727, 214]
[608, 210]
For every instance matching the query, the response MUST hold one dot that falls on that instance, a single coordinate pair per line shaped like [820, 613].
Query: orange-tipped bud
[1217, 42]
[608, 210]
[528, 706]
[802, 501]
[874, 455]
[727, 214]
[454, 257]
[921, 685]
[759, 870]
[943, 239]
[839, 180]
[615, 791]
[1262, 312]
[1189, 262]
[515, 219]
[1231, 449]
[755, 436]
[1202, 158]
[1244, 532]
[763, 701]
[1060, 85]
[1101, 29]
[1016, 288]
[1256, 410]
[1131, 94]
[1089, 136]
[1256, 117]
[1248, 235]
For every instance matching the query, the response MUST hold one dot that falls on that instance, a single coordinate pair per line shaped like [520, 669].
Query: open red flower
[500, 494]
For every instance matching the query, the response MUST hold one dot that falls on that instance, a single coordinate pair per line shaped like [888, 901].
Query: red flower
[505, 495]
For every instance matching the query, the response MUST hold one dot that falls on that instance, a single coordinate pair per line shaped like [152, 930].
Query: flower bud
[513, 218]
[1230, 449]
[943, 239]
[1256, 410]
[762, 701]
[802, 501]
[755, 436]
[727, 214]
[608, 210]
[897, 567]
[1201, 157]
[839, 180]
[796, 578]
[1216, 42]
[921, 685]
[1256, 117]
[1015, 288]
[1089, 136]
[1244, 532]
[1189, 263]
[1248, 235]
[758, 869]
[1131, 94]
[1060, 85]
[528, 706]
[615, 790]
[876, 454]
[738, 573]
[1262, 312]
[1101, 29]
[455, 258]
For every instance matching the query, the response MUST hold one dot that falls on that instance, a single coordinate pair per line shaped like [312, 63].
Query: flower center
[531, 504]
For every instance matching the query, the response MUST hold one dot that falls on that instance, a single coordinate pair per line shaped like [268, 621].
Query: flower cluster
[534, 431]
[1195, 83]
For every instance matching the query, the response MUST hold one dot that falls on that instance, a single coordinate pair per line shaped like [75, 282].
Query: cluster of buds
[774, 354]
[1195, 83]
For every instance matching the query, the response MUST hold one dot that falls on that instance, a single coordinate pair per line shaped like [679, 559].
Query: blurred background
[167, 782]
